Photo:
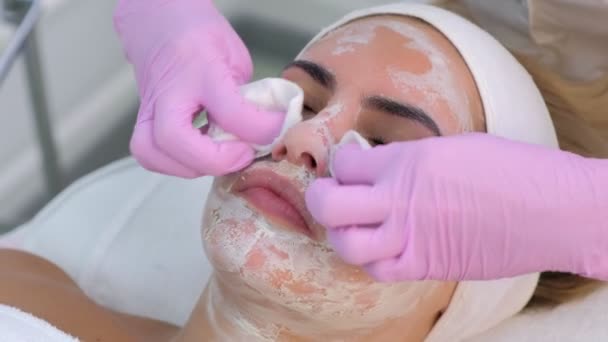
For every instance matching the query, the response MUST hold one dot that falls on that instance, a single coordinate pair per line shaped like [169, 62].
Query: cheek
[228, 242]
[229, 230]
[279, 264]
[313, 281]
[270, 268]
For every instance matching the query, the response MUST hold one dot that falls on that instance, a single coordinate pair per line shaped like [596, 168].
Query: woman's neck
[223, 316]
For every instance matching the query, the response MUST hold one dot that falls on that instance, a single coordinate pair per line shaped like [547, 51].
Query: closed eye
[307, 112]
[375, 141]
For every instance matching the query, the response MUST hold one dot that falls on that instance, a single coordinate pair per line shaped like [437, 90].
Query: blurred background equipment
[67, 95]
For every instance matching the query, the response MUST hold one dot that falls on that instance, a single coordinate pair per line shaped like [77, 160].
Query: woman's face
[388, 78]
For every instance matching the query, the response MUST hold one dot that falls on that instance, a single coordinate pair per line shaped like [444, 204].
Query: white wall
[90, 90]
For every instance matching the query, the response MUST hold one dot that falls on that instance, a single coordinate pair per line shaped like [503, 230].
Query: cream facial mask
[276, 277]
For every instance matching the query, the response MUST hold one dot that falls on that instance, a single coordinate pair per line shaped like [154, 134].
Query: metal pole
[46, 139]
[13, 11]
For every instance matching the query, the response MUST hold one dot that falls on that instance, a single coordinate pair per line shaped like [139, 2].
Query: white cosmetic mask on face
[272, 94]
[243, 243]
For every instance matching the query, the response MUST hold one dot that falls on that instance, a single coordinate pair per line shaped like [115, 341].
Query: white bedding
[131, 240]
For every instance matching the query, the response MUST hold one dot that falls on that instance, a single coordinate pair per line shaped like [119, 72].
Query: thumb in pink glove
[472, 207]
[187, 58]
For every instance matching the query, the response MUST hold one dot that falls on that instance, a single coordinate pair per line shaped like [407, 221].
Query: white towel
[19, 326]
[12, 240]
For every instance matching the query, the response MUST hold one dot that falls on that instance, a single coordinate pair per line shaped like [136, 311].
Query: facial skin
[389, 78]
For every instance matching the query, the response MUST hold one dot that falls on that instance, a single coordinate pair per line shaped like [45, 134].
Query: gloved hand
[187, 57]
[471, 207]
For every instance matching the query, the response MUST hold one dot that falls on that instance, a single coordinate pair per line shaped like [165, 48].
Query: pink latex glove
[471, 207]
[187, 57]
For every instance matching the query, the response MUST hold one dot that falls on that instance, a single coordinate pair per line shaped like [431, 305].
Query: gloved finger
[239, 59]
[334, 205]
[397, 269]
[365, 245]
[354, 165]
[176, 137]
[234, 114]
[144, 150]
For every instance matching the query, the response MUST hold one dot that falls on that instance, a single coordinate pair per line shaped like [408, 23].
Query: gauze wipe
[350, 137]
[272, 94]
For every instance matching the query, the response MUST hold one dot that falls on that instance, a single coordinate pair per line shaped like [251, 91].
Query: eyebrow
[316, 72]
[404, 110]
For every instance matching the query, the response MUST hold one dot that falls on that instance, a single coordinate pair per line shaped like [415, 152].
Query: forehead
[404, 58]
[405, 42]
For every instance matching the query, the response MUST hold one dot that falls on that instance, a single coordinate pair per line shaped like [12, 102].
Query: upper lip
[280, 186]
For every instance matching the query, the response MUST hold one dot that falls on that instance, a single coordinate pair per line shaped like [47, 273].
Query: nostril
[280, 153]
[309, 161]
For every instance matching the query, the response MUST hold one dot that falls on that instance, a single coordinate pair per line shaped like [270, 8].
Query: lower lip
[275, 208]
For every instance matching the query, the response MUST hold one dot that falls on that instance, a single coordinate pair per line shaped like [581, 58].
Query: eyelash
[375, 141]
[307, 112]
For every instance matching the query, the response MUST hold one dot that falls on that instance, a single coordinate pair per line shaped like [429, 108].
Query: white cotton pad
[273, 94]
[350, 137]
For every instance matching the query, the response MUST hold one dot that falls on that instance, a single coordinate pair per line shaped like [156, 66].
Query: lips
[276, 197]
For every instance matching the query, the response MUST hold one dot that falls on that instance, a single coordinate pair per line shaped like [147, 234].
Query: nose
[306, 144]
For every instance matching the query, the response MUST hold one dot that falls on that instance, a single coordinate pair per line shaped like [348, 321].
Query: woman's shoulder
[16, 263]
[40, 288]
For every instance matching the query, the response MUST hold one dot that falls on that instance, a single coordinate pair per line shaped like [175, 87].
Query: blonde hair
[556, 288]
